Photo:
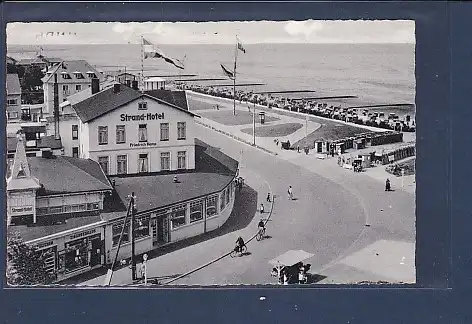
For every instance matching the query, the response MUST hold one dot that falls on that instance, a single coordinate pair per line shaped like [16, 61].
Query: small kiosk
[262, 117]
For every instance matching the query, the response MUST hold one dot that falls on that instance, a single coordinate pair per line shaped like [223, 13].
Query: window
[79, 75]
[178, 215]
[142, 227]
[78, 87]
[165, 161]
[223, 199]
[142, 133]
[164, 131]
[211, 206]
[66, 76]
[143, 163]
[91, 75]
[181, 160]
[11, 102]
[12, 114]
[120, 134]
[116, 232]
[65, 89]
[75, 132]
[103, 161]
[93, 206]
[55, 210]
[75, 152]
[142, 105]
[121, 164]
[102, 135]
[196, 211]
[181, 133]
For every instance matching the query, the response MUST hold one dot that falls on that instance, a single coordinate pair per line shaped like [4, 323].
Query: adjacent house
[13, 108]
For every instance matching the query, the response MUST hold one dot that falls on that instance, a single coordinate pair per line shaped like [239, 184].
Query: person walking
[268, 197]
[290, 193]
[261, 209]
[387, 185]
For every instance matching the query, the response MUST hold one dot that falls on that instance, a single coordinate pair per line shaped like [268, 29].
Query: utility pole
[254, 124]
[133, 246]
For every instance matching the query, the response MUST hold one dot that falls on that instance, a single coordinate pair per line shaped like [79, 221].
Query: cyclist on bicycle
[239, 244]
[261, 225]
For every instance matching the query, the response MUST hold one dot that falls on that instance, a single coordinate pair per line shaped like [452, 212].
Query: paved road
[327, 219]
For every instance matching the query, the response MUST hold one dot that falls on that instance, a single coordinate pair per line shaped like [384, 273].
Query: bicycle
[261, 234]
[241, 251]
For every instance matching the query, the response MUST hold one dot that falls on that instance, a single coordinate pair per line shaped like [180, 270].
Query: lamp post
[133, 245]
[403, 173]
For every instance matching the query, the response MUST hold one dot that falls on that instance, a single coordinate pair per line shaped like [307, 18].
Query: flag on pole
[240, 46]
[152, 51]
[228, 73]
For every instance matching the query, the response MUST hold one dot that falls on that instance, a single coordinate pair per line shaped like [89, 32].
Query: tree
[31, 84]
[25, 265]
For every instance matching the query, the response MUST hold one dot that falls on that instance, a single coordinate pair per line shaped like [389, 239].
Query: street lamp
[133, 245]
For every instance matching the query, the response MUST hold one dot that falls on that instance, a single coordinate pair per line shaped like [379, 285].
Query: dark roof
[28, 233]
[13, 84]
[213, 171]
[107, 100]
[43, 142]
[62, 174]
[177, 98]
[70, 67]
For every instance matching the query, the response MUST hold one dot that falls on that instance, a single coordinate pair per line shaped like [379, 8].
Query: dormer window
[78, 75]
[66, 75]
[142, 105]
[91, 74]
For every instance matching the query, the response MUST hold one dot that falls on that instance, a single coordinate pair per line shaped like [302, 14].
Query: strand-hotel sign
[141, 117]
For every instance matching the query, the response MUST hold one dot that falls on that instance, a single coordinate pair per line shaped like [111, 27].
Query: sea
[376, 74]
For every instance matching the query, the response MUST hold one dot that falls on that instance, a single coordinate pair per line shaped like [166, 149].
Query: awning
[290, 258]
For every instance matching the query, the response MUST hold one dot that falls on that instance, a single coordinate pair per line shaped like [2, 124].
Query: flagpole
[234, 76]
[142, 64]
[254, 124]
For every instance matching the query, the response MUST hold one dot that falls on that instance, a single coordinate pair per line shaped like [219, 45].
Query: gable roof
[177, 98]
[21, 177]
[107, 101]
[70, 67]
[13, 84]
[63, 174]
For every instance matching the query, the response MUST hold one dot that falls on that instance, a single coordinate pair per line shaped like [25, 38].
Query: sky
[309, 31]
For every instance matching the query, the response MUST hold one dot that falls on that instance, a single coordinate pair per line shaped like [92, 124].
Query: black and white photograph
[151, 154]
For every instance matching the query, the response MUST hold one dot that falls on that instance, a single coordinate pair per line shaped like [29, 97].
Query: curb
[235, 137]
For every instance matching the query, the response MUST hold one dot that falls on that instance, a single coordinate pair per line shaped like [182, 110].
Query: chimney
[116, 88]
[135, 85]
[95, 86]
[56, 108]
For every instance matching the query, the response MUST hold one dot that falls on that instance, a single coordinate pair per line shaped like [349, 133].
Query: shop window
[66, 209]
[143, 163]
[142, 133]
[181, 131]
[165, 161]
[74, 208]
[142, 227]
[102, 135]
[120, 134]
[75, 152]
[76, 255]
[223, 200]
[196, 211]
[178, 216]
[181, 160]
[75, 132]
[212, 206]
[103, 161]
[121, 164]
[164, 131]
[42, 211]
[116, 232]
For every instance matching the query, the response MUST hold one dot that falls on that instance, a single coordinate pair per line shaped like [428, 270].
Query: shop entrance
[160, 230]
[95, 253]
